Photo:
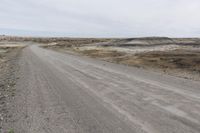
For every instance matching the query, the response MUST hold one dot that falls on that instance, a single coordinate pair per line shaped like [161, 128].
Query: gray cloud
[101, 18]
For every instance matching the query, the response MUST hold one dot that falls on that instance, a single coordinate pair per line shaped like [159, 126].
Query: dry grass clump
[96, 53]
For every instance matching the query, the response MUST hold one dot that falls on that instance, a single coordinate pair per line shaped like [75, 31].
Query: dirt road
[63, 93]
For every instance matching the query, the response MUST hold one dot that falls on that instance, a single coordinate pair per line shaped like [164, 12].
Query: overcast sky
[100, 18]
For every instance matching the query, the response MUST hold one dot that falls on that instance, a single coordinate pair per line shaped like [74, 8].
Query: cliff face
[147, 41]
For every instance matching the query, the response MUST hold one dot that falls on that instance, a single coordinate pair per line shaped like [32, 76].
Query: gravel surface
[63, 93]
[8, 76]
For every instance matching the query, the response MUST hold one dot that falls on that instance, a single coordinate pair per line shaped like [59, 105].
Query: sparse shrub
[11, 131]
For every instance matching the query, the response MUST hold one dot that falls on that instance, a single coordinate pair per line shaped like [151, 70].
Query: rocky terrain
[9, 54]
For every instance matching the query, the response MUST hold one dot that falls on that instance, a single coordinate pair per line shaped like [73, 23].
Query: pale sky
[100, 18]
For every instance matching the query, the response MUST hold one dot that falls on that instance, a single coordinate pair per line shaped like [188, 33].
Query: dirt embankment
[175, 56]
[8, 68]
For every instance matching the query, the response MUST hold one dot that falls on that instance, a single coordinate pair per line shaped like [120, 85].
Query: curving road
[63, 93]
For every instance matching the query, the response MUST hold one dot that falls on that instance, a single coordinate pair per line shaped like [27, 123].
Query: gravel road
[64, 93]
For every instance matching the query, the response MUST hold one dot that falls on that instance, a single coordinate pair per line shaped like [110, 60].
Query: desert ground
[99, 85]
[173, 56]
